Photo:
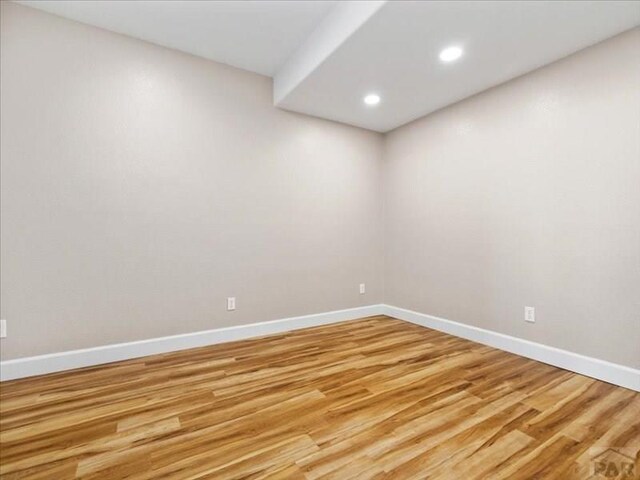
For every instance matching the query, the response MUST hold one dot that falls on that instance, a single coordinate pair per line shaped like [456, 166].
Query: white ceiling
[325, 56]
[253, 35]
[395, 53]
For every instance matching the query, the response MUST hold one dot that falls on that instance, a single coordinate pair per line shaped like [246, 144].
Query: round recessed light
[450, 54]
[372, 99]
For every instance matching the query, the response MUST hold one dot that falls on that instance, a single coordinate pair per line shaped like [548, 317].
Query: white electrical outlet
[363, 289]
[530, 314]
[3, 328]
[231, 303]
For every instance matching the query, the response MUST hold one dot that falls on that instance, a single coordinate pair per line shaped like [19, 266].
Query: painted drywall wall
[526, 195]
[142, 186]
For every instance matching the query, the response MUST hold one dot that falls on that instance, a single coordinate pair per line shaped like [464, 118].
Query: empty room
[320, 240]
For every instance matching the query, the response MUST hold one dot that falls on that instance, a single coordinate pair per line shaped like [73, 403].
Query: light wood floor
[374, 398]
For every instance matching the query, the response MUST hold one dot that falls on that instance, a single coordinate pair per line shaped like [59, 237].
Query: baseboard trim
[591, 367]
[57, 362]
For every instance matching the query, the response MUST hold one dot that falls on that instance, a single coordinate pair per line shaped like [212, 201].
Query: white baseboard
[57, 362]
[591, 367]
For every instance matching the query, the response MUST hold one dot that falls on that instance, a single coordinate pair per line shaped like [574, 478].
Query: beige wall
[527, 194]
[142, 186]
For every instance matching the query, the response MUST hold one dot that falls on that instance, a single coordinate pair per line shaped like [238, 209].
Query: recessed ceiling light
[450, 54]
[372, 99]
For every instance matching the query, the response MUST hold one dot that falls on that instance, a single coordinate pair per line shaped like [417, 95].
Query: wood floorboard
[375, 398]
